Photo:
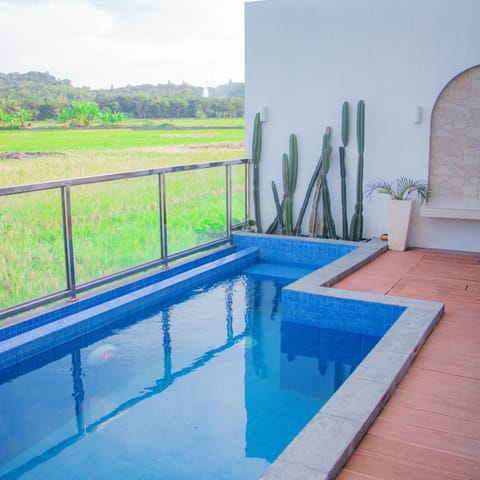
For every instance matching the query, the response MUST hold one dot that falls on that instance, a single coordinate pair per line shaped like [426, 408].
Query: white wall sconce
[418, 115]
[264, 114]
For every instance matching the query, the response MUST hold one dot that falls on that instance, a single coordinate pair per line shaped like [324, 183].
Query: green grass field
[115, 224]
[178, 122]
[102, 139]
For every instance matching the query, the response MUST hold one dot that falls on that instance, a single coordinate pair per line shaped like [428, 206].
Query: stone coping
[322, 448]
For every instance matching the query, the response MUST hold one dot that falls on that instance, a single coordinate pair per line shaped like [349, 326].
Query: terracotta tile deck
[430, 428]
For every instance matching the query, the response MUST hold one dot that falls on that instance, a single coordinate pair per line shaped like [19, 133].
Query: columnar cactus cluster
[320, 225]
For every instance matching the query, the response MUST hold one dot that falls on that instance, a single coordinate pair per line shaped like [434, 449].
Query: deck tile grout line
[448, 373]
[415, 390]
[421, 446]
[374, 454]
[422, 427]
[361, 475]
[408, 463]
[456, 375]
[435, 412]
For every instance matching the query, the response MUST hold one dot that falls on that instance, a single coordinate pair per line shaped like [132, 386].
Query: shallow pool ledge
[323, 447]
[334, 259]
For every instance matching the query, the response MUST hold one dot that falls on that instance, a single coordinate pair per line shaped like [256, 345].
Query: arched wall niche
[454, 170]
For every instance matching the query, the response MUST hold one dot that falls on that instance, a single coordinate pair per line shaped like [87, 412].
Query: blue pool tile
[339, 313]
[8, 359]
[34, 347]
[300, 252]
[8, 371]
[68, 333]
[35, 361]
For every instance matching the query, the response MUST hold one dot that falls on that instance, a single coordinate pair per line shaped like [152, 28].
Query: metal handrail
[110, 177]
[64, 187]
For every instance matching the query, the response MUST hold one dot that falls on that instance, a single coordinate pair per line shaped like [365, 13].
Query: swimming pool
[119, 388]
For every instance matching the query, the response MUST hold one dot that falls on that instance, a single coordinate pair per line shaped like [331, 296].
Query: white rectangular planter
[399, 215]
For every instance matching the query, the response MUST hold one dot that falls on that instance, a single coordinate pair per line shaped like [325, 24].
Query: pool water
[210, 386]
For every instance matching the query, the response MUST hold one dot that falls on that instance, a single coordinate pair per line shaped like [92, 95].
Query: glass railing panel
[116, 226]
[238, 194]
[31, 247]
[196, 208]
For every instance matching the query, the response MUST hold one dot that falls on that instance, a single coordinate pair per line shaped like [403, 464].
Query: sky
[100, 43]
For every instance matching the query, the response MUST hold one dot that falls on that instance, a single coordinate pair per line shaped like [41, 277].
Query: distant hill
[45, 96]
[228, 90]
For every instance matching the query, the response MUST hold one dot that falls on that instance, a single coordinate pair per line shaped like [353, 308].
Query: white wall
[305, 57]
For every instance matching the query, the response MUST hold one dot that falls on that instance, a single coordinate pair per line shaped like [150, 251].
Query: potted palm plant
[402, 192]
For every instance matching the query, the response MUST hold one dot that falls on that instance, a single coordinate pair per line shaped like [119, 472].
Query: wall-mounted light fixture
[264, 114]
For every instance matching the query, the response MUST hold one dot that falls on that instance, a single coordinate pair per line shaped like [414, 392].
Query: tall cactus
[328, 223]
[289, 176]
[356, 227]
[287, 194]
[343, 169]
[256, 154]
[292, 168]
[293, 149]
[308, 194]
[321, 193]
[279, 208]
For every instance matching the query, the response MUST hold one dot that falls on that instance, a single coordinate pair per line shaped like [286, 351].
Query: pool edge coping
[325, 444]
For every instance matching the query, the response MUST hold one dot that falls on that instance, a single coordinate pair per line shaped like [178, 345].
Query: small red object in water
[107, 355]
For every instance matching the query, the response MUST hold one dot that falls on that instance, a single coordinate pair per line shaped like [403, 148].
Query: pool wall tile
[38, 361]
[338, 313]
[297, 250]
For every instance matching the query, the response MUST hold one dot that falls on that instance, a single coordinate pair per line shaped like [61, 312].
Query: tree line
[41, 96]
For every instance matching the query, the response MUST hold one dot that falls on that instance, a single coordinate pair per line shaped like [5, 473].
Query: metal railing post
[228, 199]
[247, 191]
[68, 241]
[162, 198]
